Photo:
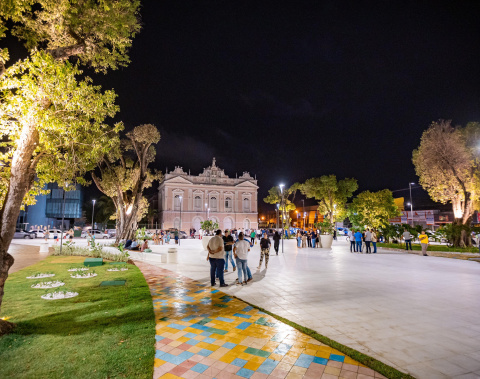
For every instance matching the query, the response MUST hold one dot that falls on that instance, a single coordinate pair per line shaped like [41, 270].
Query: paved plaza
[202, 333]
[417, 314]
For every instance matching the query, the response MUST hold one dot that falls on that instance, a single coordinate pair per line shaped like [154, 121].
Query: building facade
[185, 200]
[49, 209]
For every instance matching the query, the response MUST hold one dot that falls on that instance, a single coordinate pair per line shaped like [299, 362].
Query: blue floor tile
[239, 362]
[158, 338]
[241, 315]
[209, 340]
[245, 373]
[205, 352]
[320, 361]
[192, 342]
[176, 326]
[199, 368]
[244, 325]
[225, 319]
[338, 358]
[229, 345]
[267, 366]
[247, 309]
[190, 335]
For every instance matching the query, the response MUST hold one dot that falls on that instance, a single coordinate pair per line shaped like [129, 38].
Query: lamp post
[93, 211]
[278, 211]
[180, 226]
[411, 203]
[206, 207]
[303, 202]
[283, 215]
[63, 219]
[297, 217]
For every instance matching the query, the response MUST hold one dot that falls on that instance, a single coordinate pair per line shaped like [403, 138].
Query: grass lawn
[104, 332]
[416, 246]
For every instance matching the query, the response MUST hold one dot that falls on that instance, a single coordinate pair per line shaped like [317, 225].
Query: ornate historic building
[185, 200]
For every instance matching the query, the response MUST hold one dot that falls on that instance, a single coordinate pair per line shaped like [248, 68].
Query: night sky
[293, 90]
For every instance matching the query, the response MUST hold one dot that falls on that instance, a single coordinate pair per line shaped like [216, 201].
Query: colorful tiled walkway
[203, 333]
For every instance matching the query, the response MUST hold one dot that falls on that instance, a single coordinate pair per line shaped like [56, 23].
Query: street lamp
[278, 211]
[63, 219]
[303, 202]
[411, 203]
[283, 214]
[297, 217]
[206, 207]
[304, 217]
[93, 211]
[180, 226]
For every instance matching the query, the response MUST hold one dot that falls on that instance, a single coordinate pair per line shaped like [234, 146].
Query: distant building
[48, 210]
[231, 202]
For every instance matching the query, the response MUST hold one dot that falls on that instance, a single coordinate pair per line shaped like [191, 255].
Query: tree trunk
[22, 175]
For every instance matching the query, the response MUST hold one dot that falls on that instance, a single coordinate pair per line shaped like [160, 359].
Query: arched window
[176, 203]
[246, 204]
[228, 204]
[213, 204]
[198, 203]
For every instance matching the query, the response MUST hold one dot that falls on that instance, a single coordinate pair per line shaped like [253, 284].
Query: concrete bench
[152, 257]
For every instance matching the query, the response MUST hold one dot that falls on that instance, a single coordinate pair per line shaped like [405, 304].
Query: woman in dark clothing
[276, 241]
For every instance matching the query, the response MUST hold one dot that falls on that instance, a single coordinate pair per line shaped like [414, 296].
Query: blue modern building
[48, 210]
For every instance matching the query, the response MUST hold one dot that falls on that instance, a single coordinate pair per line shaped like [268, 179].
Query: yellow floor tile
[158, 362]
[183, 339]
[194, 349]
[252, 365]
[276, 357]
[350, 361]
[169, 376]
[298, 370]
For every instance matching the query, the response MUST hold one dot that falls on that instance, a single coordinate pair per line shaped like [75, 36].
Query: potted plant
[208, 227]
[326, 233]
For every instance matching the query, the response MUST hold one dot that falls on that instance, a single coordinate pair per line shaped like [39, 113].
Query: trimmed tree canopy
[373, 209]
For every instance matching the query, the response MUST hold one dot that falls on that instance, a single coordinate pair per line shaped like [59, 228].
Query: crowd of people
[223, 248]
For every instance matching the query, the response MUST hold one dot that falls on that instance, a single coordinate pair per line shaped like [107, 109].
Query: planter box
[326, 240]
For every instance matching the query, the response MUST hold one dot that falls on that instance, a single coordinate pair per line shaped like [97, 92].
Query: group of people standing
[223, 248]
[358, 239]
[309, 238]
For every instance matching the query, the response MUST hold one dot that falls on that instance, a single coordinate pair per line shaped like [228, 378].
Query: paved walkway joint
[203, 333]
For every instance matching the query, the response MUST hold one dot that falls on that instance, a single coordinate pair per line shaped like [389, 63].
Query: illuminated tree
[448, 167]
[373, 209]
[275, 197]
[52, 119]
[332, 195]
[124, 174]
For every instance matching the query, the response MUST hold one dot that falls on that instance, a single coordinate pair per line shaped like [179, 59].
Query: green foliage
[373, 209]
[55, 336]
[332, 195]
[275, 197]
[326, 227]
[124, 174]
[100, 33]
[141, 234]
[97, 252]
[209, 225]
[68, 113]
[447, 163]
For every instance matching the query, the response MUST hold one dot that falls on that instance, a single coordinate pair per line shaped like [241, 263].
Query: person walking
[240, 250]
[358, 241]
[408, 239]
[423, 243]
[314, 238]
[175, 234]
[299, 239]
[228, 245]
[351, 237]
[252, 237]
[374, 241]
[276, 241]
[215, 256]
[368, 240]
[309, 239]
[265, 250]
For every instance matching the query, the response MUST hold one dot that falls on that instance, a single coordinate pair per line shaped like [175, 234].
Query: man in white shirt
[408, 239]
[216, 255]
[240, 251]
[351, 237]
[368, 239]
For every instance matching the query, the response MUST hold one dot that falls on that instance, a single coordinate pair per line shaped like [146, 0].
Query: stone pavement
[203, 333]
[24, 255]
[417, 314]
